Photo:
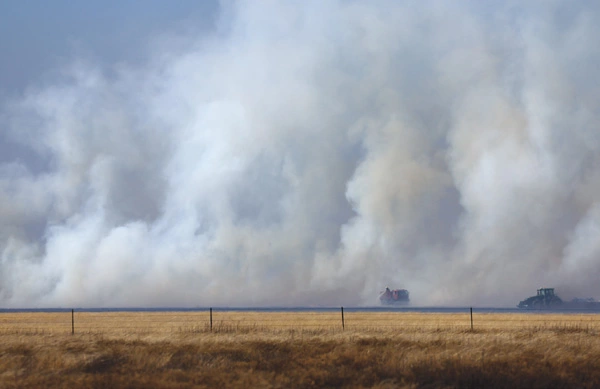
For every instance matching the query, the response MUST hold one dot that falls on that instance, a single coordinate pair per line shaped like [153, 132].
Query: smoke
[312, 153]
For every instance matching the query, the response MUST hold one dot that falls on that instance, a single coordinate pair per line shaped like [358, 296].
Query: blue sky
[38, 35]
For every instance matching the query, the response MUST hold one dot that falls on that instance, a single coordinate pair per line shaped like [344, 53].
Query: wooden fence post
[343, 326]
[210, 319]
[72, 322]
[471, 318]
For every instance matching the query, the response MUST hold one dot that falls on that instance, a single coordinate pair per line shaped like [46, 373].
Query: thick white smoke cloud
[311, 153]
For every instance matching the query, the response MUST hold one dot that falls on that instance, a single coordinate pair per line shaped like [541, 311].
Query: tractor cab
[545, 292]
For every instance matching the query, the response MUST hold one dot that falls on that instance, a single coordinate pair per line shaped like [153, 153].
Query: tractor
[544, 299]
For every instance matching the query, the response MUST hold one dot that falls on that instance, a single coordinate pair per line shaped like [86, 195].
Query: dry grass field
[304, 349]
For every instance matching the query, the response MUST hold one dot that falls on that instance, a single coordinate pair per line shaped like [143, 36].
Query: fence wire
[205, 321]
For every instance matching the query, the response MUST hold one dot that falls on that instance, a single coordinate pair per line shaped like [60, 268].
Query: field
[302, 349]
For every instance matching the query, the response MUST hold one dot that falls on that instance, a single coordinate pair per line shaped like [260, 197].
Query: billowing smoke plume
[312, 153]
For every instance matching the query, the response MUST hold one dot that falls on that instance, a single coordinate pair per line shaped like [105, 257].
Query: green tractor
[545, 299]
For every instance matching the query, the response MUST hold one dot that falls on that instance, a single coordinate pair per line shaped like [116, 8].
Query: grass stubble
[304, 349]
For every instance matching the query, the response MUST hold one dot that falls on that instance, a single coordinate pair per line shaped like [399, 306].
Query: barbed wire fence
[226, 321]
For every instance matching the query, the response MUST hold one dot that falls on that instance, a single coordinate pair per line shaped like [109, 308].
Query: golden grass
[305, 349]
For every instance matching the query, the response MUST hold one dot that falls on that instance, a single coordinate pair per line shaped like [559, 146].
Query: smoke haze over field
[312, 153]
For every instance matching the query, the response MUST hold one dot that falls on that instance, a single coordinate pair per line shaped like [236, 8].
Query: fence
[209, 320]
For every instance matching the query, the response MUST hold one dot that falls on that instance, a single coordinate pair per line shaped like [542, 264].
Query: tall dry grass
[258, 349]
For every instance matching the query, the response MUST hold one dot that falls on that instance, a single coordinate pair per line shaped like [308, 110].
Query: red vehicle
[394, 297]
